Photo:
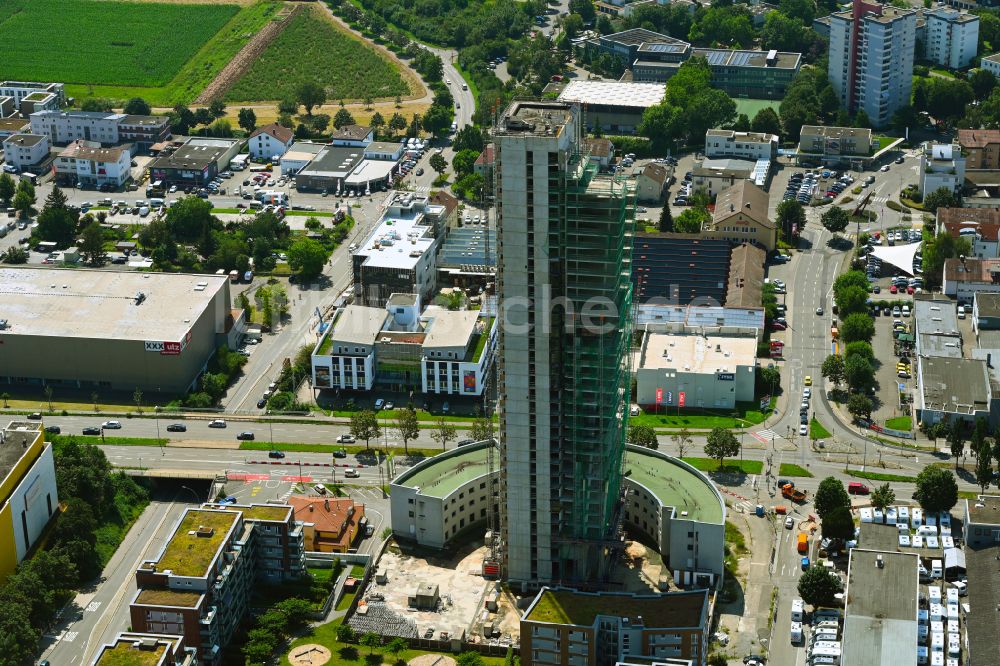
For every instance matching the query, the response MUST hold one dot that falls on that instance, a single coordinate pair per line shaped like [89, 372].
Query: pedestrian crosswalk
[745, 506]
[765, 436]
[424, 189]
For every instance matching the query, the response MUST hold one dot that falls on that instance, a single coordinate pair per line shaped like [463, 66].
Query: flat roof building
[951, 389]
[880, 618]
[28, 493]
[834, 144]
[330, 168]
[981, 530]
[741, 145]
[617, 105]
[196, 162]
[563, 627]
[131, 648]
[937, 328]
[102, 329]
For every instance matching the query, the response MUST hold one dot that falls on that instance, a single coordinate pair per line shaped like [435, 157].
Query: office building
[942, 166]
[832, 145]
[25, 151]
[86, 163]
[981, 532]
[330, 524]
[880, 618]
[28, 493]
[21, 89]
[112, 330]
[681, 368]
[741, 145]
[468, 258]
[200, 584]
[437, 351]
[952, 37]
[871, 58]
[564, 627]
[130, 647]
[669, 504]
[740, 216]
[398, 255]
[564, 232]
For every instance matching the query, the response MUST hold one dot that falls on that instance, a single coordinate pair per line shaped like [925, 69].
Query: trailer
[789, 491]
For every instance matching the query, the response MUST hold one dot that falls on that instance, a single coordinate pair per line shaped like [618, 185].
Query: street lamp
[190, 490]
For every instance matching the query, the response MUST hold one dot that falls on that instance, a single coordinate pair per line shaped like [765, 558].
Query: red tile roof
[985, 220]
[485, 157]
[279, 132]
[978, 138]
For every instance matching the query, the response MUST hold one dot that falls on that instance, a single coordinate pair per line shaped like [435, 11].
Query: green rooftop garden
[260, 512]
[188, 554]
[123, 654]
[581, 609]
[168, 597]
[483, 339]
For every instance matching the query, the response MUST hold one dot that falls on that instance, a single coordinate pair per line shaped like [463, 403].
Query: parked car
[262, 403]
[176, 427]
[379, 404]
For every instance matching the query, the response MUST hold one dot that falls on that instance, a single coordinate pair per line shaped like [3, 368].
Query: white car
[885, 167]
[112, 425]
[789, 523]
[351, 473]
[803, 429]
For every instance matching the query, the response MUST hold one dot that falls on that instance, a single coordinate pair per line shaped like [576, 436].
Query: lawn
[752, 106]
[745, 414]
[107, 441]
[817, 431]
[877, 476]
[347, 654]
[899, 423]
[313, 48]
[884, 141]
[712, 465]
[788, 469]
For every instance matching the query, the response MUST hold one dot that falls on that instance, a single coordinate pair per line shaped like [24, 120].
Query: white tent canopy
[900, 256]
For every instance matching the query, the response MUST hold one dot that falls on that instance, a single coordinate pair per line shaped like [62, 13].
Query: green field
[166, 53]
[312, 48]
[752, 106]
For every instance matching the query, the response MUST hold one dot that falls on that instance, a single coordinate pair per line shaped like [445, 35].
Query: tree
[438, 163]
[92, 245]
[666, 223]
[371, 640]
[984, 467]
[882, 496]
[365, 425]
[343, 118]
[790, 216]
[397, 123]
[397, 645]
[23, 203]
[859, 373]
[481, 429]
[642, 435]
[838, 524]
[443, 432]
[936, 489]
[860, 406]
[982, 83]
[137, 106]
[720, 444]
[829, 496]
[306, 257]
[819, 587]
[5, 396]
[833, 369]
[860, 348]
[288, 106]
[188, 218]
[407, 426]
[247, 119]
[437, 119]
[469, 659]
[939, 198]
[857, 326]
[835, 219]
[296, 611]
[48, 390]
[345, 634]
[310, 94]
[852, 299]
[692, 220]
[956, 442]
[766, 120]
[15, 255]
[18, 638]
[682, 439]
[377, 122]
[102, 104]
[7, 188]
[217, 108]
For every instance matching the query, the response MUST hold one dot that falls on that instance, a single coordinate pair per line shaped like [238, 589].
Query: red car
[909, 290]
[778, 326]
[893, 289]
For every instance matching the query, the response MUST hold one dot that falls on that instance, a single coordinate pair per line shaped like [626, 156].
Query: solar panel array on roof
[663, 48]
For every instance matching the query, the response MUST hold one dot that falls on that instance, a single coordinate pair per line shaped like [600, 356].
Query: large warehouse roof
[103, 304]
[614, 93]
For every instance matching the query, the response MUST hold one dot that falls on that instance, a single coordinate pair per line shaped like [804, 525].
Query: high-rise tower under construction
[564, 249]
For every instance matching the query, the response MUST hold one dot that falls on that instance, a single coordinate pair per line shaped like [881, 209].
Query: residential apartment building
[742, 145]
[741, 217]
[952, 37]
[979, 225]
[942, 166]
[28, 493]
[871, 58]
[109, 129]
[963, 277]
[330, 524]
[714, 176]
[25, 151]
[130, 647]
[21, 89]
[270, 141]
[834, 144]
[651, 182]
[143, 131]
[199, 585]
[981, 148]
[564, 627]
[991, 64]
[564, 231]
[437, 351]
[87, 163]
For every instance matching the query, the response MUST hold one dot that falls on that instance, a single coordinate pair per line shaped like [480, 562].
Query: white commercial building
[345, 356]
[88, 164]
[24, 151]
[62, 127]
[679, 367]
[744, 145]
[457, 351]
[21, 89]
[871, 67]
[942, 166]
[298, 156]
[270, 141]
[952, 37]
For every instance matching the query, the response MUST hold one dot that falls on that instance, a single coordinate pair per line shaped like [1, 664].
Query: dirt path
[246, 56]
